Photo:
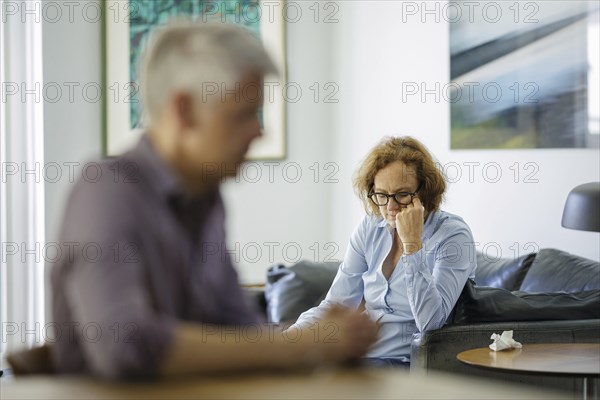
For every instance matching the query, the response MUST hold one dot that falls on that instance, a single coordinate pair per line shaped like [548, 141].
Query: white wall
[367, 54]
[282, 219]
[72, 124]
[377, 54]
[287, 218]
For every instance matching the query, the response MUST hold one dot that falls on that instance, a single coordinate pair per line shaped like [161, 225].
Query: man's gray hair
[198, 58]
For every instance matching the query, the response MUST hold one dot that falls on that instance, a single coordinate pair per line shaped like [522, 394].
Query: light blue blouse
[421, 291]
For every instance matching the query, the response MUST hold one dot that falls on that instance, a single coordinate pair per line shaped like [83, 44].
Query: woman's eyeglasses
[401, 198]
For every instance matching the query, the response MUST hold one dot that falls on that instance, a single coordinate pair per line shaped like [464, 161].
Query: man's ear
[184, 110]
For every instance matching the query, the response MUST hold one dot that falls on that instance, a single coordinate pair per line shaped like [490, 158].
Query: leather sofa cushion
[554, 270]
[291, 291]
[505, 273]
[487, 304]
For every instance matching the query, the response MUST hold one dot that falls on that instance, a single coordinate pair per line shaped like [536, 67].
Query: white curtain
[21, 184]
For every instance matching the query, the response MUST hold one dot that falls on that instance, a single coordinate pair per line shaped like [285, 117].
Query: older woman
[407, 260]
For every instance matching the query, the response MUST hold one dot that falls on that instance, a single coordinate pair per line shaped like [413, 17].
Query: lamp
[582, 208]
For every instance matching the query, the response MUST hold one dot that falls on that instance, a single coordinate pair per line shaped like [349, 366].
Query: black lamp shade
[582, 208]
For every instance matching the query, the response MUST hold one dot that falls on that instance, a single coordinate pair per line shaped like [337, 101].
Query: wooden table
[576, 359]
[322, 384]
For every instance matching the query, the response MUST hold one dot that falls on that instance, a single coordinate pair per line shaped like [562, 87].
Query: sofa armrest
[437, 349]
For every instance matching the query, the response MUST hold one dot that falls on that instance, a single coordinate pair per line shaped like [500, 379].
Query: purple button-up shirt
[138, 256]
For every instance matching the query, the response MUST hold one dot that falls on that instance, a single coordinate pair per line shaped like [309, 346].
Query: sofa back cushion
[292, 290]
[554, 270]
[504, 273]
[487, 304]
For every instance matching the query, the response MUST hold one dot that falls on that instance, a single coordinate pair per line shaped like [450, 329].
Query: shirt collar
[159, 176]
[431, 224]
[382, 223]
[163, 180]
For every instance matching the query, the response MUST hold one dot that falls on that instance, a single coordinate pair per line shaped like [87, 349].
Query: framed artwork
[127, 28]
[525, 75]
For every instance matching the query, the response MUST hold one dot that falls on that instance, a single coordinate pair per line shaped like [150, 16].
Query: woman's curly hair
[412, 153]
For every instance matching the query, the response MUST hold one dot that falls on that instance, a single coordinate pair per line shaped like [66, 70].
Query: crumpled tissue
[504, 341]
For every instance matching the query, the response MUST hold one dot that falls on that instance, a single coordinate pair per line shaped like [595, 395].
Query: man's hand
[342, 335]
[409, 225]
[345, 334]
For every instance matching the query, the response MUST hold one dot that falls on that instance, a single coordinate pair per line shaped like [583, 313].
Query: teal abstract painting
[146, 15]
[128, 26]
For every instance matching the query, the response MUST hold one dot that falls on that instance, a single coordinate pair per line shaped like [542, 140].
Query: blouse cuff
[414, 261]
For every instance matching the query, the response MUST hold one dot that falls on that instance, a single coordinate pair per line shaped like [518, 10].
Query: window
[22, 216]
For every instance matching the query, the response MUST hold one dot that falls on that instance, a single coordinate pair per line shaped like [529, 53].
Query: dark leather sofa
[546, 297]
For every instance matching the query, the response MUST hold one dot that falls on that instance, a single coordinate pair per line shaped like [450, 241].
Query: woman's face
[393, 178]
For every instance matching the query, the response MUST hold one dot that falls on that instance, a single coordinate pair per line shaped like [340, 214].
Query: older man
[150, 295]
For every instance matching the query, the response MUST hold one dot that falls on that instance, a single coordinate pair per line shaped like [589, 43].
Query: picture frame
[126, 27]
[525, 76]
